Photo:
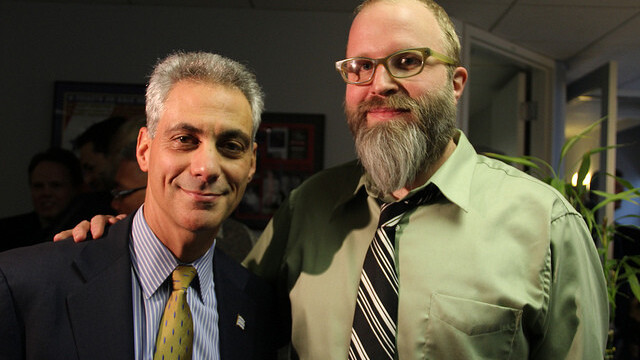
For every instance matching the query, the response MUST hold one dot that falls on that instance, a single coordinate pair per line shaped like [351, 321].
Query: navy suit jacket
[73, 301]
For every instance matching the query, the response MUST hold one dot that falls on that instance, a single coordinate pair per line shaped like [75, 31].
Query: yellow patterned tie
[175, 336]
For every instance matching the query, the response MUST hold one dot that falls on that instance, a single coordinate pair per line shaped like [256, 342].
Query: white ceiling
[582, 33]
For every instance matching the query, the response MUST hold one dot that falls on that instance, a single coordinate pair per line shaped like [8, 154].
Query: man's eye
[232, 148]
[56, 184]
[356, 66]
[407, 61]
[186, 140]
[366, 66]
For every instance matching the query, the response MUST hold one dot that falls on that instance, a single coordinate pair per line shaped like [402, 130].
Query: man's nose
[205, 162]
[382, 83]
[46, 190]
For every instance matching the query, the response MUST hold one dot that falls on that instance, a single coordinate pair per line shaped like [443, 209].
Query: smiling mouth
[384, 114]
[384, 110]
[204, 196]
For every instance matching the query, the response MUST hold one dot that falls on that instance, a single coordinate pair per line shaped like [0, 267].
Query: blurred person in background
[93, 148]
[55, 181]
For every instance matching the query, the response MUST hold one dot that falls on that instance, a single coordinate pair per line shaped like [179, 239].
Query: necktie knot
[182, 277]
[391, 211]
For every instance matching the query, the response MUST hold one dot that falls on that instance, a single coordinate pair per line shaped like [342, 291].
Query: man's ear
[459, 79]
[142, 149]
[252, 171]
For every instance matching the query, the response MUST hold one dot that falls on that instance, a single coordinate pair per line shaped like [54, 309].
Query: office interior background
[540, 70]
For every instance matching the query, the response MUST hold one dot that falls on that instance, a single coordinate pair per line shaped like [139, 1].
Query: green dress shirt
[502, 268]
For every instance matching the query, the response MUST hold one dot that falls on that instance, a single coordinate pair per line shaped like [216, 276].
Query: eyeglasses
[119, 194]
[400, 64]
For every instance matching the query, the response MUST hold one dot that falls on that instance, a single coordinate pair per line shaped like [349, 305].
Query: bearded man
[480, 262]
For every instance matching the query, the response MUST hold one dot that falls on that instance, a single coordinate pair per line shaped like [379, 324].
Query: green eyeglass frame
[425, 53]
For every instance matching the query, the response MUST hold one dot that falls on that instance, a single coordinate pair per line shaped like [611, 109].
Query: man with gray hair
[105, 299]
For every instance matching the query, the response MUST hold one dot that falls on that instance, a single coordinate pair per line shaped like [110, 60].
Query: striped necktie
[175, 336]
[373, 335]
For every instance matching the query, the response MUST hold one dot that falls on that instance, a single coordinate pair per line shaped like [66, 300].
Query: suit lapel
[236, 310]
[101, 312]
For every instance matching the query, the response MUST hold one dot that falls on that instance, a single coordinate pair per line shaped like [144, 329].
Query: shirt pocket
[466, 329]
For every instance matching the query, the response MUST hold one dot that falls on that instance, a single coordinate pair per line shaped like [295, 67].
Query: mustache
[357, 118]
[393, 101]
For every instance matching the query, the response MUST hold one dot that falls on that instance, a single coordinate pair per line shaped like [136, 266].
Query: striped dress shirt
[152, 267]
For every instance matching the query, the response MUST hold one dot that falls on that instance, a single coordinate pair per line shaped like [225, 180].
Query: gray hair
[451, 42]
[201, 67]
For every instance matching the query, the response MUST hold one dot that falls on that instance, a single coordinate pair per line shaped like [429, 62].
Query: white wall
[292, 54]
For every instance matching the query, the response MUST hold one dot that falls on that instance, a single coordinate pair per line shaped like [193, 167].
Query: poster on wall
[78, 105]
[290, 149]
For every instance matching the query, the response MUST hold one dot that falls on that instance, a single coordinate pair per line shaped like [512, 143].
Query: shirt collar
[453, 178]
[153, 262]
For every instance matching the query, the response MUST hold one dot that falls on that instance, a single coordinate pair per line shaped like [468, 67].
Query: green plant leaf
[625, 183]
[559, 185]
[627, 217]
[633, 280]
[514, 159]
[584, 168]
[572, 140]
[628, 195]
[634, 259]
[595, 151]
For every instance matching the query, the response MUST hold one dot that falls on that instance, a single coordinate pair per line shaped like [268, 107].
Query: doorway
[507, 107]
[499, 90]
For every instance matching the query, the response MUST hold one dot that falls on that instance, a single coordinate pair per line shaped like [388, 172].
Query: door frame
[542, 90]
[605, 80]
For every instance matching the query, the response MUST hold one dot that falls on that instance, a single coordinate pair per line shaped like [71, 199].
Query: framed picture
[290, 149]
[78, 105]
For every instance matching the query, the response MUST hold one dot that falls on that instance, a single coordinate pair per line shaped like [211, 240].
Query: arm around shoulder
[267, 255]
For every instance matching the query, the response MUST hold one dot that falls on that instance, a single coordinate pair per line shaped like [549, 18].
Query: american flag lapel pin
[240, 322]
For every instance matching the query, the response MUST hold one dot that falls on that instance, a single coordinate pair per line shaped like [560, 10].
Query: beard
[393, 153]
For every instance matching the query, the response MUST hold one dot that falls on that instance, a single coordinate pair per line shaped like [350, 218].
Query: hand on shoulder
[86, 230]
